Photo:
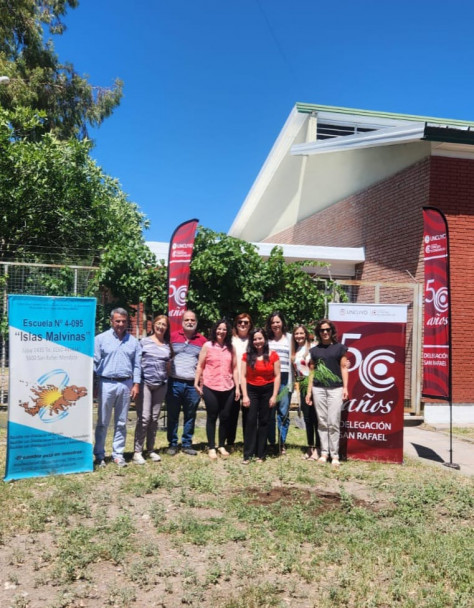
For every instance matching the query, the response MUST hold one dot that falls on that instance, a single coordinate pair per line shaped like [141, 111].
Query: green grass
[188, 531]
[466, 432]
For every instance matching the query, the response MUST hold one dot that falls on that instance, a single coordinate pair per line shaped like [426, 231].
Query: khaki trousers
[328, 404]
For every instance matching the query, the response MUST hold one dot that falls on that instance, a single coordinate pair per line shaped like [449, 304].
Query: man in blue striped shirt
[187, 344]
[117, 357]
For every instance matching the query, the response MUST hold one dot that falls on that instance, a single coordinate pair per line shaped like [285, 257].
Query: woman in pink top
[217, 373]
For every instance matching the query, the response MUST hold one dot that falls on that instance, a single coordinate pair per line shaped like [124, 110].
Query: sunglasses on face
[325, 331]
[242, 323]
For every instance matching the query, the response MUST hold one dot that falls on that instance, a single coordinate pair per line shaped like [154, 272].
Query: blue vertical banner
[51, 341]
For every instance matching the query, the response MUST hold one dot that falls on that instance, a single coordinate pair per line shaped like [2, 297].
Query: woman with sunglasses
[328, 394]
[243, 325]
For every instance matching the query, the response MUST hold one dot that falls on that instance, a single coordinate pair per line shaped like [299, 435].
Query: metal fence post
[4, 350]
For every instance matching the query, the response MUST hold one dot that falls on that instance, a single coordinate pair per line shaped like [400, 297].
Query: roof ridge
[307, 108]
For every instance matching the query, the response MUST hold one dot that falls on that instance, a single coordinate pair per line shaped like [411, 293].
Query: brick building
[339, 177]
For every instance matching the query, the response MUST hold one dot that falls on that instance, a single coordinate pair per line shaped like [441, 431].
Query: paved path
[432, 447]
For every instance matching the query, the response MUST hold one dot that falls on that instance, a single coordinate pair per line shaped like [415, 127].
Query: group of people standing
[240, 368]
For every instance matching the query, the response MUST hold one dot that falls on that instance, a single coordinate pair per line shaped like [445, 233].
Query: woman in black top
[329, 389]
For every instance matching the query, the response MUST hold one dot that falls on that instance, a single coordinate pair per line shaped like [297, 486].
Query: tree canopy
[55, 200]
[228, 276]
[56, 204]
[38, 80]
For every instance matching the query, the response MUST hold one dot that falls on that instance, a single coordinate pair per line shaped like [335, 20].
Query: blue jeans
[181, 393]
[113, 397]
[282, 412]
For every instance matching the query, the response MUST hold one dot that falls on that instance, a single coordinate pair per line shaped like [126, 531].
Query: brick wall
[386, 219]
[452, 191]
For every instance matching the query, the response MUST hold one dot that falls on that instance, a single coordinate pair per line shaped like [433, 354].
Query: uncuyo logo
[438, 297]
[178, 294]
[373, 372]
[441, 299]
[373, 369]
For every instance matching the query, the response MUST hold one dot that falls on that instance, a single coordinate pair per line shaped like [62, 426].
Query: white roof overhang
[293, 128]
[161, 250]
[388, 136]
[381, 137]
[340, 261]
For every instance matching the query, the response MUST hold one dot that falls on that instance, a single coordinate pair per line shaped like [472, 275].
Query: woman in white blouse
[300, 358]
[243, 325]
[279, 340]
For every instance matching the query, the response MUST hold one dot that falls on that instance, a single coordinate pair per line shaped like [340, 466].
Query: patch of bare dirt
[291, 495]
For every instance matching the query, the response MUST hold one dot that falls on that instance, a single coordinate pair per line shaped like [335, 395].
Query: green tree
[228, 276]
[291, 290]
[223, 278]
[38, 80]
[130, 274]
[55, 200]
[56, 204]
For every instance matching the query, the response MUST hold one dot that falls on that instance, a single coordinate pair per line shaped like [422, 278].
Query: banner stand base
[452, 465]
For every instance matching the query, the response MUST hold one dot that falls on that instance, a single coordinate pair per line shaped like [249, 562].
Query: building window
[327, 130]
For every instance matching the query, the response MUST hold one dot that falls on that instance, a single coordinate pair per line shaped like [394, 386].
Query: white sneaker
[154, 456]
[138, 458]
[120, 461]
[213, 454]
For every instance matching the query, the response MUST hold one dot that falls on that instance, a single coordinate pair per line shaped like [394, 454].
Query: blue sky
[210, 83]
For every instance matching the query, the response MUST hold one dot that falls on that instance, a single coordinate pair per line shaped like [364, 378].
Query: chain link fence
[39, 280]
[74, 280]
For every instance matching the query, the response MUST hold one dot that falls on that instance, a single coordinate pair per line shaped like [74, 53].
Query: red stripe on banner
[179, 266]
[436, 336]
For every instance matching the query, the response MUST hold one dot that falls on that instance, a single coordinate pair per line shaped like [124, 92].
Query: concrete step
[412, 420]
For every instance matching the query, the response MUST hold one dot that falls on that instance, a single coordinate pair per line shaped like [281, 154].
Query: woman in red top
[260, 381]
